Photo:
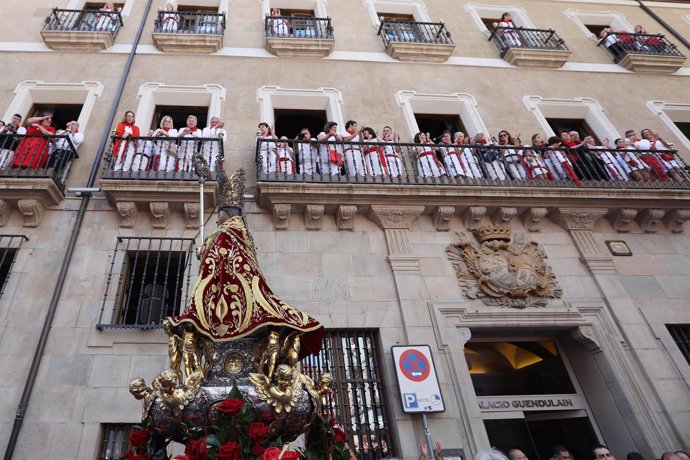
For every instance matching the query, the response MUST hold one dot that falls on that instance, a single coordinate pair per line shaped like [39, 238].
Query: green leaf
[213, 440]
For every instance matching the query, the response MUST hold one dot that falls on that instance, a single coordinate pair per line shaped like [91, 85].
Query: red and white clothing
[7, 141]
[471, 163]
[104, 20]
[427, 163]
[326, 166]
[284, 162]
[187, 149]
[375, 159]
[614, 169]
[651, 159]
[165, 150]
[557, 163]
[452, 161]
[210, 148]
[393, 160]
[510, 37]
[143, 156]
[32, 152]
[124, 149]
[267, 154]
[280, 27]
[514, 164]
[170, 20]
[535, 166]
[354, 158]
[307, 156]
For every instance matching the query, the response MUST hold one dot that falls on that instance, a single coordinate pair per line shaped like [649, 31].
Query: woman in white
[187, 149]
[63, 153]
[627, 158]
[284, 154]
[330, 164]
[468, 159]
[166, 149]
[306, 152]
[374, 158]
[267, 148]
[427, 163]
[144, 153]
[392, 153]
[510, 37]
[104, 18]
[451, 159]
[512, 155]
[278, 24]
[354, 158]
[124, 149]
[169, 18]
[209, 147]
[669, 162]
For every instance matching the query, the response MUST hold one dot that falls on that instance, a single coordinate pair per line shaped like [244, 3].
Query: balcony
[81, 30]
[644, 53]
[530, 47]
[155, 174]
[416, 41]
[33, 174]
[344, 179]
[299, 36]
[189, 32]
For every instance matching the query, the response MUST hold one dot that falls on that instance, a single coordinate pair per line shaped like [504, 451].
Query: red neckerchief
[351, 132]
[166, 129]
[483, 142]
[75, 131]
[192, 129]
[568, 143]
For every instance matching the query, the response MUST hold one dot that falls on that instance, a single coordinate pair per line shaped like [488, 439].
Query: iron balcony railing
[298, 27]
[84, 21]
[621, 44]
[190, 22]
[160, 158]
[414, 32]
[506, 38]
[467, 165]
[32, 156]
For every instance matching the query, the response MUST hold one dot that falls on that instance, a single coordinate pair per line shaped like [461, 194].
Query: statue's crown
[231, 190]
[492, 232]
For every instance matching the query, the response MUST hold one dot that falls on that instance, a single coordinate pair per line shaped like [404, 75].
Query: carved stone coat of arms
[501, 272]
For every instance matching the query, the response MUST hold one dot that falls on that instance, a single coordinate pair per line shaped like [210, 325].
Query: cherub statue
[317, 390]
[268, 354]
[286, 391]
[174, 399]
[140, 390]
[174, 350]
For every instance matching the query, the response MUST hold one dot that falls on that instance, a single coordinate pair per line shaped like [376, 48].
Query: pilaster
[580, 223]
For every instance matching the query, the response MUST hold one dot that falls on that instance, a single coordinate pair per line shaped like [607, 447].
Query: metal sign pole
[427, 437]
[201, 209]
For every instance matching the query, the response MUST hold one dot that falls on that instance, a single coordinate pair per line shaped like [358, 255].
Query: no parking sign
[419, 389]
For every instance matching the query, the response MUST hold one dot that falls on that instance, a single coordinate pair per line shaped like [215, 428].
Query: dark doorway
[61, 113]
[98, 5]
[684, 128]
[435, 124]
[289, 122]
[596, 28]
[540, 431]
[572, 124]
[179, 115]
[295, 13]
[491, 23]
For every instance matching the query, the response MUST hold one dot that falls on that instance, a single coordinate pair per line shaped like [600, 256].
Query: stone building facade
[362, 257]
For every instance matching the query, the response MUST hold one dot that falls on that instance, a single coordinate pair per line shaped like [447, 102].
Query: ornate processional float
[233, 389]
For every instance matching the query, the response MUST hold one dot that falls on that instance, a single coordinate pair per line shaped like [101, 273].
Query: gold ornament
[282, 395]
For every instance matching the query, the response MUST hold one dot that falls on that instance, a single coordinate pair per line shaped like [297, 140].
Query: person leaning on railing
[451, 159]
[657, 145]
[354, 158]
[330, 155]
[62, 152]
[491, 158]
[170, 18]
[210, 149]
[187, 148]
[427, 163]
[279, 25]
[104, 18]
[306, 152]
[284, 157]
[374, 157]
[33, 150]
[468, 159]
[267, 148]
[165, 149]
[509, 37]
[124, 149]
[512, 155]
[393, 159]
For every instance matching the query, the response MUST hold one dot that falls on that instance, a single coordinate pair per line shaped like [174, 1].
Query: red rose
[257, 431]
[258, 449]
[196, 449]
[138, 438]
[231, 407]
[181, 457]
[340, 435]
[272, 453]
[229, 451]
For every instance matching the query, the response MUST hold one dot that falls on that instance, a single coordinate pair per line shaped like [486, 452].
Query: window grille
[148, 280]
[681, 335]
[115, 441]
[9, 247]
[358, 400]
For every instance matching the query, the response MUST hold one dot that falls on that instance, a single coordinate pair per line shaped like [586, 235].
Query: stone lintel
[313, 216]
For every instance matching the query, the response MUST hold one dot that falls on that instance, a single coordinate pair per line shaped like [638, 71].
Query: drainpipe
[85, 194]
[664, 24]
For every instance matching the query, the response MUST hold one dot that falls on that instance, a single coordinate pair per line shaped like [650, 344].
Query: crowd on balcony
[39, 145]
[360, 152]
[620, 42]
[166, 148]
